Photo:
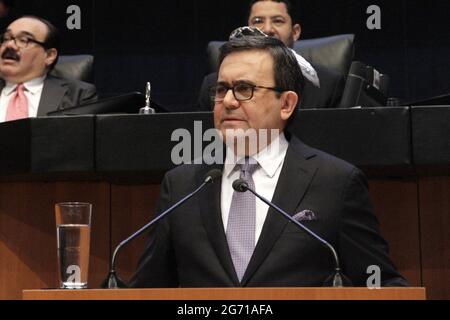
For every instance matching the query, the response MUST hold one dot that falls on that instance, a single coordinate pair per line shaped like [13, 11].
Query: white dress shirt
[266, 176]
[33, 92]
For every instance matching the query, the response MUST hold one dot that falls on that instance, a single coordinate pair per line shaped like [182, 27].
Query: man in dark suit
[223, 238]
[28, 52]
[277, 19]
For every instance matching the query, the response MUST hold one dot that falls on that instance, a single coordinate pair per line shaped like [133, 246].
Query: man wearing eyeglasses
[276, 18]
[224, 238]
[28, 52]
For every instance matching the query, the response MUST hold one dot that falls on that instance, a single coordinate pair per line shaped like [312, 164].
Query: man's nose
[229, 101]
[11, 43]
[268, 28]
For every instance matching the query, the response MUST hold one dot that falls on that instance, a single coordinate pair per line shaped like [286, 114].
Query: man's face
[266, 110]
[19, 65]
[273, 18]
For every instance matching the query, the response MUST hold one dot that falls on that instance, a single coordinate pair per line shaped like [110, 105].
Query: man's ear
[52, 54]
[289, 102]
[296, 31]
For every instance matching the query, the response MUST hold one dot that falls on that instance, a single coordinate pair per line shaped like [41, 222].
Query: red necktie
[18, 105]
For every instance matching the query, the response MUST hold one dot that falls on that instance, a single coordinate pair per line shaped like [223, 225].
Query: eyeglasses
[21, 42]
[241, 91]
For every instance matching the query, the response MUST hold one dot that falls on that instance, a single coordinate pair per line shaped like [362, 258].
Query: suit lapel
[53, 92]
[212, 218]
[293, 183]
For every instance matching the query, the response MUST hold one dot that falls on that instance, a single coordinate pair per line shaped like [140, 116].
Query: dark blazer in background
[328, 95]
[189, 248]
[58, 94]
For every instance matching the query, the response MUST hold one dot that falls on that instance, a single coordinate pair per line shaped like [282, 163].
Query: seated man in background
[274, 18]
[224, 238]
[28, 52]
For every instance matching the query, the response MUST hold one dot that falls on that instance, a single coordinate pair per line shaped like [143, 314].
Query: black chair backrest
[75, 67]
[335, 52]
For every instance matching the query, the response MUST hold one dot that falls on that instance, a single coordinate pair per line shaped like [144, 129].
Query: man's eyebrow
[26, 33]
[243, 81]
[278, 16]
[240, 81]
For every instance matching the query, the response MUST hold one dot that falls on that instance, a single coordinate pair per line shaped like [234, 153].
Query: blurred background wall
[164, 42]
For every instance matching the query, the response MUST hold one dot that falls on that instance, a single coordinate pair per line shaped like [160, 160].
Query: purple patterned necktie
[242, 221]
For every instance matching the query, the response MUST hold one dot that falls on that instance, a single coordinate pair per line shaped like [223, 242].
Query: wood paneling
[28, 256]
[408, 222]
[396, 206]
[131, 208]
[435, 233]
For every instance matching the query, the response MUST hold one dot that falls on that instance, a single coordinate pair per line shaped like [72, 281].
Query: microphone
[113, 281]
[336, 280]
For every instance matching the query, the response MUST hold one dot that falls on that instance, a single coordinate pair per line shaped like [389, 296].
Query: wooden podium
[231, 294]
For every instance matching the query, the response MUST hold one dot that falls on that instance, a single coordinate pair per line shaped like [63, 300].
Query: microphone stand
[113, 281]
[337, 279]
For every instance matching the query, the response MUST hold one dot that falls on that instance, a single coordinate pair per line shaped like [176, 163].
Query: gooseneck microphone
[113, 281]
[336, 280]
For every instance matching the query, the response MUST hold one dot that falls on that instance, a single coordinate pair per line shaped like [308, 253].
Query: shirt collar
[32, 86]
[269, 159]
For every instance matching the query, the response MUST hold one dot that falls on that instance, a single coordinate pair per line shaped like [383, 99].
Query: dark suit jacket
[58, 94]
[327, 96]
[189, 248]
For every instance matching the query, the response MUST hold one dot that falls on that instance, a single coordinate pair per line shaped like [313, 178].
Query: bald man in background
[29, 50]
